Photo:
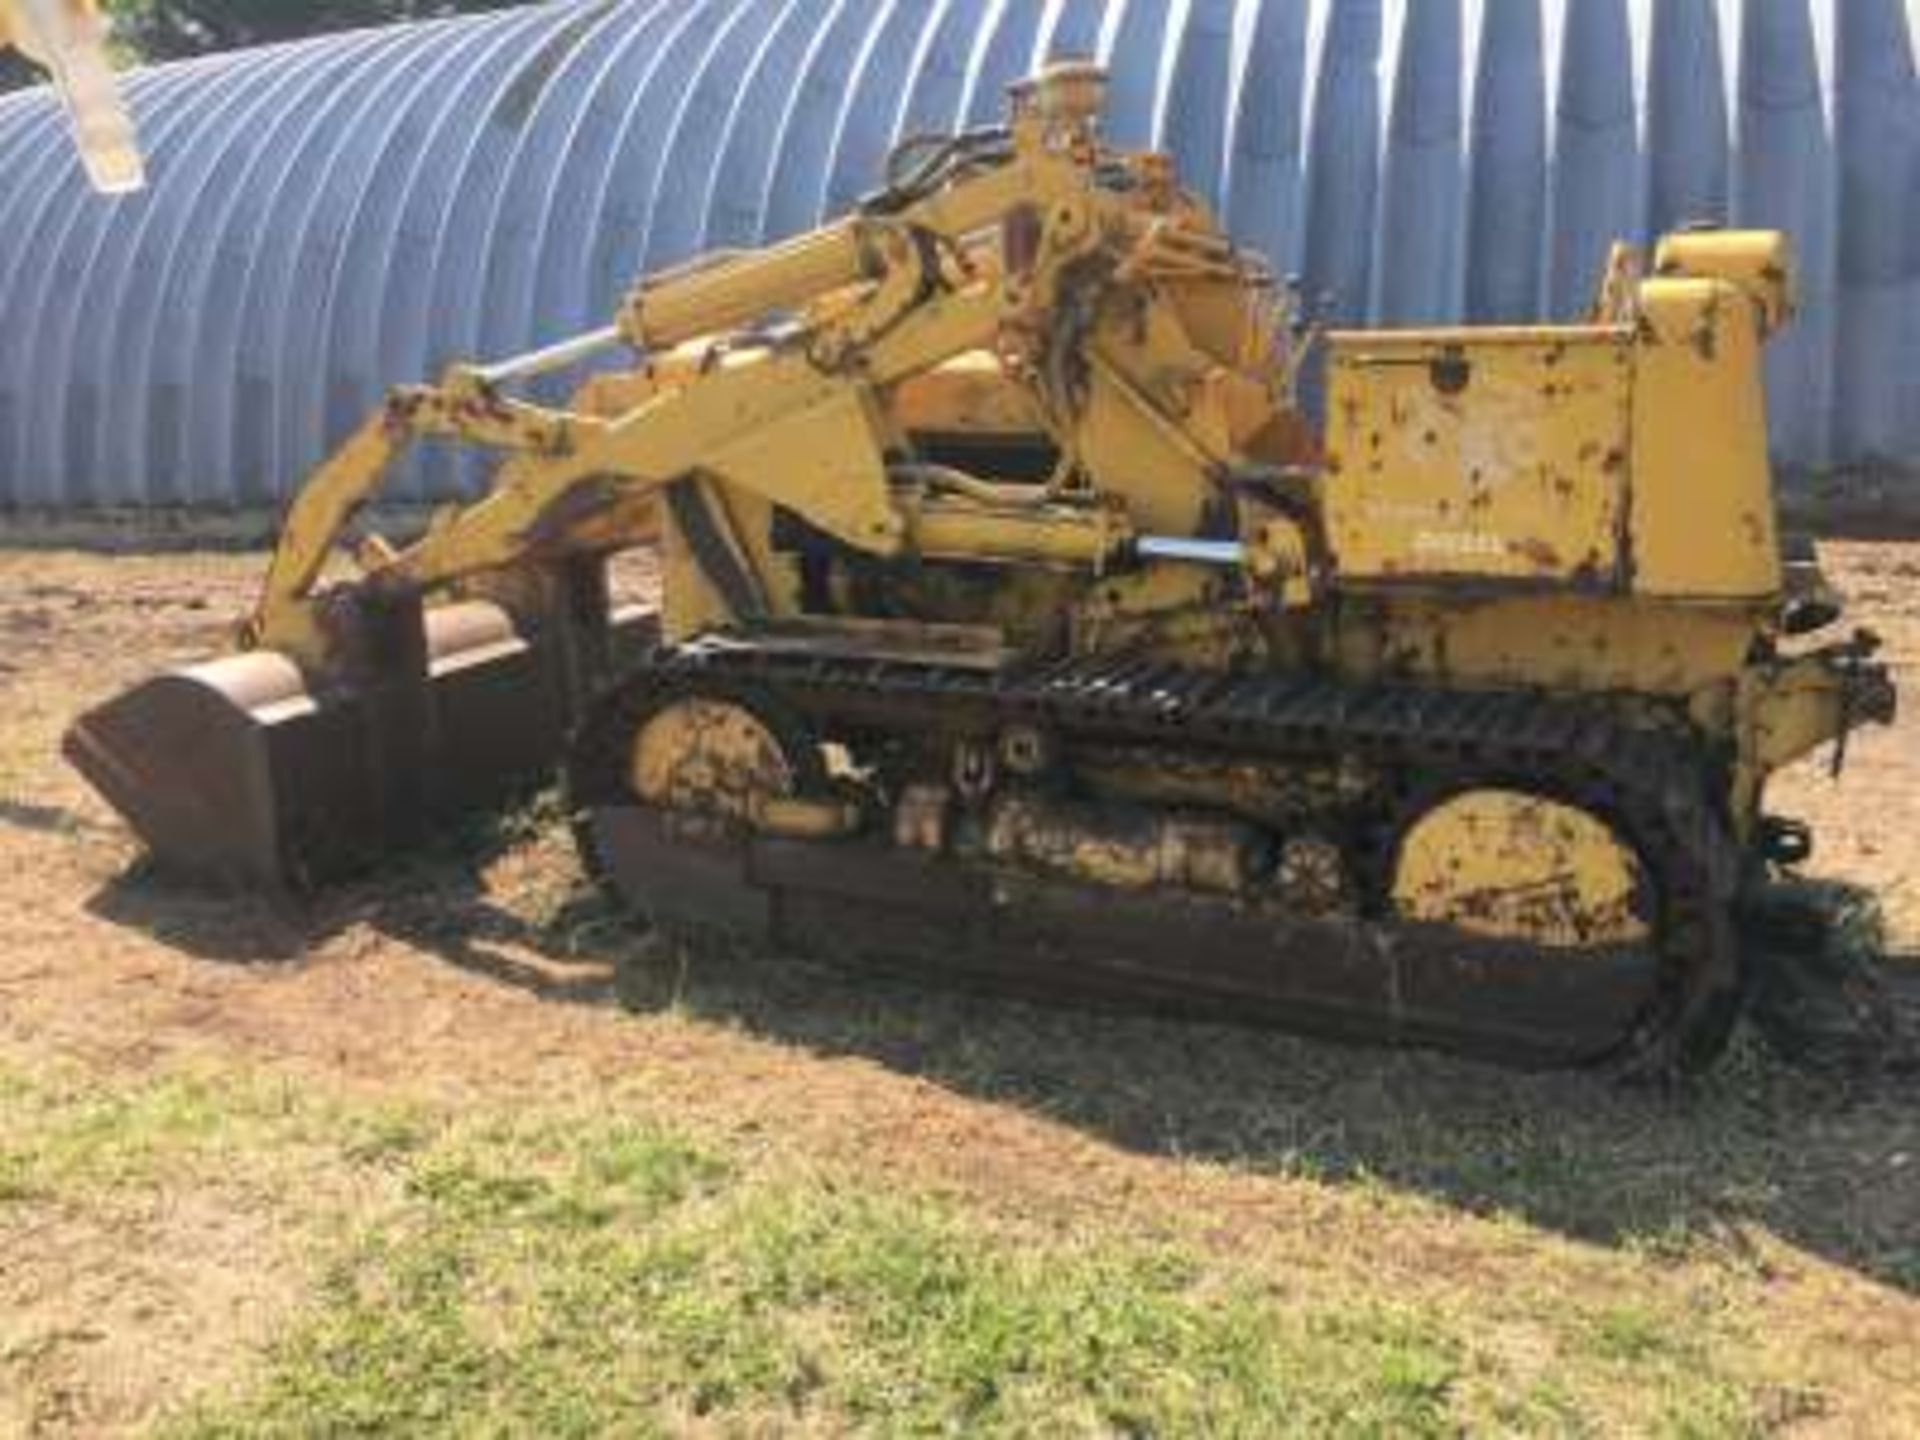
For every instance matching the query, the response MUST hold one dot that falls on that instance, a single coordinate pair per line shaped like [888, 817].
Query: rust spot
[1451, 372]
[1536, 552]
[1615, 462]
[1590, 573]
[1706, 335]
[570, 509]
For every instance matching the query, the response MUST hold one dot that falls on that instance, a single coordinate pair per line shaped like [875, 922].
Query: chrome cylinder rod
[1196, 552]
[550, 358]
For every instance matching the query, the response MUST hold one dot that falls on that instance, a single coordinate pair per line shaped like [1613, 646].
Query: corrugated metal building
[332, 216]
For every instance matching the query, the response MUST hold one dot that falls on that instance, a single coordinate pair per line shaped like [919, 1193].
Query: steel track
[1648, 784]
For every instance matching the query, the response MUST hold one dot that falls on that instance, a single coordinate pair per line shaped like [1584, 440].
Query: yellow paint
[1758, 263]
[1121, 847]
[958, 528]
[1515, 866]
[1624, 454]
[969, 395]
[1703, 510]
[709, 758]
[1566, 642]
[1462, 454]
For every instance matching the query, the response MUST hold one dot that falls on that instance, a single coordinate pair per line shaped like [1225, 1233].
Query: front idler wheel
[668, 783]
[1640, 977]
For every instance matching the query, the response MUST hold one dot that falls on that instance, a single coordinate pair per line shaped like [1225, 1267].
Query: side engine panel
[1497, 455]
[1626, 455]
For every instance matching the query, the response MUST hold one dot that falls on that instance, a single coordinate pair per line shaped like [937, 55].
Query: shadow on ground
[1828, 1164]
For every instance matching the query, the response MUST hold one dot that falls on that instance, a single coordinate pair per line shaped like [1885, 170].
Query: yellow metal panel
[822, 460]
[1154, 466]
[1563, 641]
[967, 395]
[1703, 513]
[1492, 454]
[1758, 263]
[1523, 867]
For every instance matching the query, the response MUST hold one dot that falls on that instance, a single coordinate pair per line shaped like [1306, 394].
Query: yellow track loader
[1017, 623]
[69, 39]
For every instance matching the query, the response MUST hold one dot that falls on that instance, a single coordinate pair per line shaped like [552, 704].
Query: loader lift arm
[880, 297]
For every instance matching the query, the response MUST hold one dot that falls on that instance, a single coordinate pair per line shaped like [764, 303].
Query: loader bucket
[244, 771]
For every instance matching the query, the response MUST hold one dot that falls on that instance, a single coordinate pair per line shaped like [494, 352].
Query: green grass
[629, 1281]
[65, 1133]
[581, 1270]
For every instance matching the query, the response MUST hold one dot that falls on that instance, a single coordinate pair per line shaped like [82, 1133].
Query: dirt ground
[484, 981]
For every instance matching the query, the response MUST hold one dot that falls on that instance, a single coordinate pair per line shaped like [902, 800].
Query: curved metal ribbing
[330, 217]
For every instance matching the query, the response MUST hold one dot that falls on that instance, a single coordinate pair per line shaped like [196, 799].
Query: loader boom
[874, 301]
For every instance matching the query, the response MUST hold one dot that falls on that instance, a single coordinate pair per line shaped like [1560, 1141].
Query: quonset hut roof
[332, 216]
